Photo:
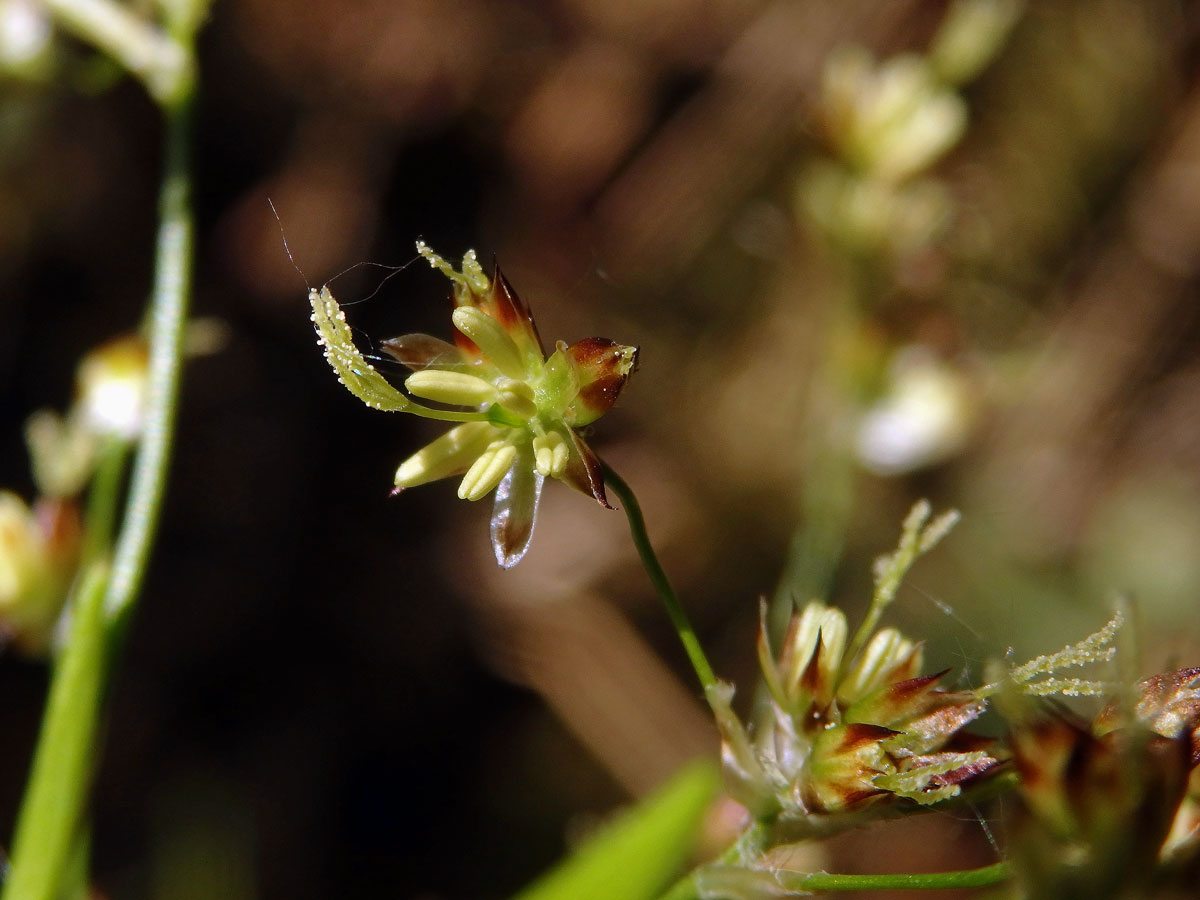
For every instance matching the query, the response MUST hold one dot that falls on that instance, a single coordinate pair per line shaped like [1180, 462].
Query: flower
[850, 722]
[1111, 810]
[38, 552]
[518, 412]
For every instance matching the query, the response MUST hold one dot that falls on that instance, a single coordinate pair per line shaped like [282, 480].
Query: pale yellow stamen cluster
[550, 453]
[488, 470]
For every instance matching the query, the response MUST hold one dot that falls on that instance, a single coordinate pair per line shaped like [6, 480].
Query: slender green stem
[641, 540]
[142, 48]
[169, 304]
[729, 881]
[802, 882]
[49, 820]
[48, 826]
[103, 495]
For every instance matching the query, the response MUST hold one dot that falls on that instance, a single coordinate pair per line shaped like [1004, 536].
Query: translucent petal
[583, 470]
[515, 509]
[420, 351]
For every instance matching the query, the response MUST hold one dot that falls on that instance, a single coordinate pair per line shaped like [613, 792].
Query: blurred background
[871, 252]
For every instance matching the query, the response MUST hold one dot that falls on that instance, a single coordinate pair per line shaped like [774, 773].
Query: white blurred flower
[923, 418]
[24, 34]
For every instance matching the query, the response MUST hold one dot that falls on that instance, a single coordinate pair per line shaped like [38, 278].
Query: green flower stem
[803, 883]
[48, 831]
[641, 540]
[48, 825]
[100, 519]
[724, 880]
[160, 62]
[168, 314]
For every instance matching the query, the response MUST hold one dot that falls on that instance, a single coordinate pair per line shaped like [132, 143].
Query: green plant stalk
[804, 883]
[721, 879]
[168, 315]
[48, 824]
[658, 577]
[104, 494]
[160, 62]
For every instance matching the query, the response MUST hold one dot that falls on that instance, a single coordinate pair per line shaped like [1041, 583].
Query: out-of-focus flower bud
[1096, 812]
[112, 382]
[923, 418]
[889, 120]
[38, 550]
[865, 215]
[970, 37]
[25, 35]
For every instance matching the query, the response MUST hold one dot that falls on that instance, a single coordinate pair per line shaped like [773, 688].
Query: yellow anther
[516, 397]
[550, 454]
[451, 453]
[457, 388]
[491, 338]
[487, 471]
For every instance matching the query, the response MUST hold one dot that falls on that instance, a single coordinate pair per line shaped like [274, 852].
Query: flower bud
[38, 550]
[112, 384]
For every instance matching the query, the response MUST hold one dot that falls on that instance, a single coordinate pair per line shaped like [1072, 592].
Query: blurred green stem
[168, 315]
[48, 829]
[146, 51]
[103, 495]
[48, 825]
[722, 880]
[658, 577]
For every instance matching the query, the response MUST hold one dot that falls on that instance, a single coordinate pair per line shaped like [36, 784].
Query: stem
[169, 302]
[143, 49]
[728, 881]
[103, 494]
[641, 540]
[48, 825]
[49, 819]
[802, 882]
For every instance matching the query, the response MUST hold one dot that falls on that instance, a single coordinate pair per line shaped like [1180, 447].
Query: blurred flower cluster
[41, 546]
[1111, 809]
[888, 124]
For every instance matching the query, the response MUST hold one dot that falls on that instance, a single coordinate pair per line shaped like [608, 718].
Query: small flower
[1111, 810]
[110, 398]
[518, 411]
[851, 722]
[38, 549]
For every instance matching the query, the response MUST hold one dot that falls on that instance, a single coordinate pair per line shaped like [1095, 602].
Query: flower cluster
[851, 722]
[41, 543]
[518, 412]
[1111, 810]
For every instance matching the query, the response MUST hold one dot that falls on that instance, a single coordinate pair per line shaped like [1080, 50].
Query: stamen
[457, 388]
[491, 338]
[516, 397]
[550, 454]
[451, 453]
[487, 471]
